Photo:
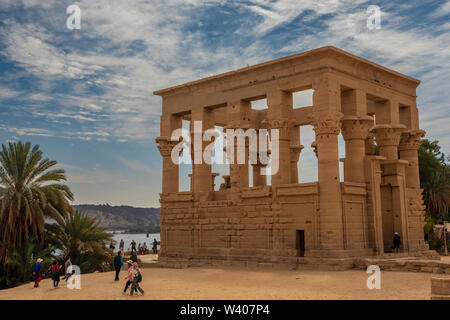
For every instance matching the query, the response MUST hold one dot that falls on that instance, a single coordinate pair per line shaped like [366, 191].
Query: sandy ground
[233, 283]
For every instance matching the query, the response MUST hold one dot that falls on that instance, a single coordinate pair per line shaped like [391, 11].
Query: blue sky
[85, 96]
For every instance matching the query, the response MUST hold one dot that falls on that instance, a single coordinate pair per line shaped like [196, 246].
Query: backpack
[139, 277]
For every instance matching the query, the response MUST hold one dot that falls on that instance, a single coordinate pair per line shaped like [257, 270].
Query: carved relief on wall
[415, 202]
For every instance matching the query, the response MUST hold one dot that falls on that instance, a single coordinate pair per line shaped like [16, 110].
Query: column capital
[295, 152]
[411, 140]
[388, 135]
[356, 128]
[283, 125]
[165, 146]
[326, 123]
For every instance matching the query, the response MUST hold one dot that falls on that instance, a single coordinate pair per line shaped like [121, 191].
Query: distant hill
[122, 217]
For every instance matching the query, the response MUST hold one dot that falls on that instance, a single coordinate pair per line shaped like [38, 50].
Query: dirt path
[212, 283]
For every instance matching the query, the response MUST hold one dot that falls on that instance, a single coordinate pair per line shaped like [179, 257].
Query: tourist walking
[68, 269]
[37, 276]
[118, 263]
[129, 276]
[55, 274]
[133, 246]
[155, 246]
[396, 242]
[121, 245]
[137, 277]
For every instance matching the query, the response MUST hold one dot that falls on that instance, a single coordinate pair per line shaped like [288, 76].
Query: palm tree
[29, 193]
[23, 259]
[81, 238]
[436, 190]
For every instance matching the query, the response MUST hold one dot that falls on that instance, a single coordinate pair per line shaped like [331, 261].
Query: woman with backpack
[55, 274]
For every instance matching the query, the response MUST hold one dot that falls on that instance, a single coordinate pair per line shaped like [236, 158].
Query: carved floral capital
[295, 152]
[388, 135]
[356, 128]
[326, 124]
[411, 140]
[165, 146]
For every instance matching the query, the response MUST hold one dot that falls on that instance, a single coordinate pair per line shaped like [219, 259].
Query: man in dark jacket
[396, 242]
[118, 263]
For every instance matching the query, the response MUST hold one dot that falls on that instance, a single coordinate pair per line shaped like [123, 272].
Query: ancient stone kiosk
[352, 216]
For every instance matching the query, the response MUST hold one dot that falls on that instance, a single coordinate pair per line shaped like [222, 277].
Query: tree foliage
[434, 179]
[30, 191]
[80, 237]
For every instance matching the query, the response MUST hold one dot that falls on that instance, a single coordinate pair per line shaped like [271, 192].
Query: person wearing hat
[137, 277]
[37, 276]
[129, 276]
[396, 241]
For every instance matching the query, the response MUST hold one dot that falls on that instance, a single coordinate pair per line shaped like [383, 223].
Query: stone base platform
[428, 262]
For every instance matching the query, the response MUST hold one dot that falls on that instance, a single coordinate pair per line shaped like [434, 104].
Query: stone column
[201, 120]
[296, 149]
[169, 123]
[409, 146]
[388, 138]
[355, 131]
[295, 155]
[370, 144]
[280, 115]
[327, 128]
[239, 113]
[170, 169]
[282, 156]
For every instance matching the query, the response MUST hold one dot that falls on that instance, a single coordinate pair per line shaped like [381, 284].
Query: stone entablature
[251, 221]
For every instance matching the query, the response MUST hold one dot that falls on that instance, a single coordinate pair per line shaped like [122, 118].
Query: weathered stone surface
[380, 195]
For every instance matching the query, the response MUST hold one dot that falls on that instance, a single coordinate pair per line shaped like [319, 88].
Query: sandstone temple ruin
[335, 218]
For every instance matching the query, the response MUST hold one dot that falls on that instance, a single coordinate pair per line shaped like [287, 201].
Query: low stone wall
[440, 288]
[429, 264]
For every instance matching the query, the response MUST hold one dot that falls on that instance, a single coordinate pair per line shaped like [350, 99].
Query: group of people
[141, 249]
[134, 276]
[55, 271]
